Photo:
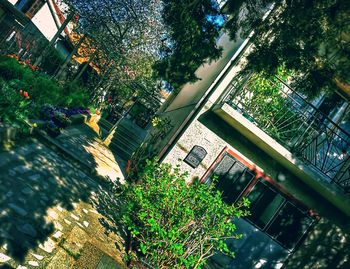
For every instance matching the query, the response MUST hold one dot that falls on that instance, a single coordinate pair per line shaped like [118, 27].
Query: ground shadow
[34, 178]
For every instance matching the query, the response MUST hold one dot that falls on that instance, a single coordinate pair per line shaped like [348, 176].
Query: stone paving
[47, 213]
[84, 142]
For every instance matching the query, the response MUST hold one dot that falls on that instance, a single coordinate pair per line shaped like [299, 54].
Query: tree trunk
[69, 58]
[84, 67]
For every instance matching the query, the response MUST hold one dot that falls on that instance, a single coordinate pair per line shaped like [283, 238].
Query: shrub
[42, 88]
[14, 106]
[174, 224]
[10, 69]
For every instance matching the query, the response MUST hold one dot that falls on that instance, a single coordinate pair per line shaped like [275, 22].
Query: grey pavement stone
[34, 177]
[27, 191]
[74, 216]
[52, 214]
[18, 210]
[22, 169]
[22, 200]
[9, 194]
[27, 229]
[58, 226]
[57, 234]
[6, 235]
[44, 197]
[37, 256]
[33, 263]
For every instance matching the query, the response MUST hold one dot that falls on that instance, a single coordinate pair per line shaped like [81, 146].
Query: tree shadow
[326, 246]
[83, 141]
[34, 178]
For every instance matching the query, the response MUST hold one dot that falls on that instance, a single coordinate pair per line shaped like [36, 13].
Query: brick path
[47, 215]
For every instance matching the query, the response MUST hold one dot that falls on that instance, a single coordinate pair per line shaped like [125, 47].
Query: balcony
[289, 128]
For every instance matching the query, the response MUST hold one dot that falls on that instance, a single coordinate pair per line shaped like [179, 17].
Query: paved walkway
[83, 142]
[48, 212]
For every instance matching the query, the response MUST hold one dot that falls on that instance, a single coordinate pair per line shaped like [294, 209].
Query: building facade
[292, 163]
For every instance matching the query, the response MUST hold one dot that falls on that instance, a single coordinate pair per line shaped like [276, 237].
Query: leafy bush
[42, 89]
[10, 69]
[174, 224]
[14, 107]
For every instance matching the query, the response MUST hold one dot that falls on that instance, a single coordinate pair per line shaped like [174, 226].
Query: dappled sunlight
[47, 217]
[35, 179]
[326, 246]
[106, 165]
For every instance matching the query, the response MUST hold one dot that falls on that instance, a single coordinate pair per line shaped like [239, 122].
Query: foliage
[14, 107]
[123, 37]
[147, 150]
[308, 37]
[191, 39]
[41, 88]
[175, 224]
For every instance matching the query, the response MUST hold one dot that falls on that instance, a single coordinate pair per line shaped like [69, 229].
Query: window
[276, 216]
[272, 211]
[264, 204]
[233, 177]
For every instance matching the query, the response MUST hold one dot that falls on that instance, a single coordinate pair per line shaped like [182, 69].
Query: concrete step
[125, 141]
[120, 152]
[130, 133]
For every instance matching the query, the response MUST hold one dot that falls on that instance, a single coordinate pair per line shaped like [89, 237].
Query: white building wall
[45, 22]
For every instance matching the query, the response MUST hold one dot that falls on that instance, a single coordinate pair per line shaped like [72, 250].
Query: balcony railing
[296, 124]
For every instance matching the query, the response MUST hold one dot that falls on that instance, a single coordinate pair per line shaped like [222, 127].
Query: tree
[310, 38]
[174, 224]
[191, 39]
[127, 36]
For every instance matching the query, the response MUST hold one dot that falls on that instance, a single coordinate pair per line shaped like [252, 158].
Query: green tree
[174, 224]
[310, 38]
[190, 40]
[123, 39]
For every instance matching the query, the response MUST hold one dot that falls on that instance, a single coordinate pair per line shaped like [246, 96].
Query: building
[297, 174]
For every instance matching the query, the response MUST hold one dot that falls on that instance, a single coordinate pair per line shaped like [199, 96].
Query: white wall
[12, 1]
[45, 22]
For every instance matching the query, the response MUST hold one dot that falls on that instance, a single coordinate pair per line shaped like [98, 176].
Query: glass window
[279, 218]
[265, 203]
[232, 178]
[290, 225]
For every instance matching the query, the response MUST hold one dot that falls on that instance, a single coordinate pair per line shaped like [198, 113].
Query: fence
[296, 124]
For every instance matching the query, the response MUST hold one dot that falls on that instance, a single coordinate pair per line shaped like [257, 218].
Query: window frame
[260, 176]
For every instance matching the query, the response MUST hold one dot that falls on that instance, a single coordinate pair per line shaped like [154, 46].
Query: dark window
[232, 178]
[279, 218]
[270, 210]
[265, 202]
[195, 156]
[289, 226]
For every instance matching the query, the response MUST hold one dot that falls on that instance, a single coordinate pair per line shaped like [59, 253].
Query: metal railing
[296, 124]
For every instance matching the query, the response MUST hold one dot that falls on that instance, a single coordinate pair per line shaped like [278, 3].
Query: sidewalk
[50, 211]
[82, 143]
